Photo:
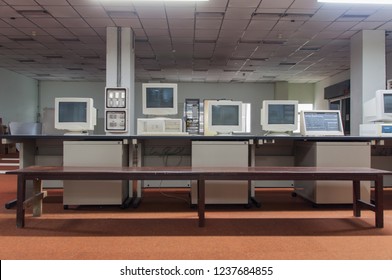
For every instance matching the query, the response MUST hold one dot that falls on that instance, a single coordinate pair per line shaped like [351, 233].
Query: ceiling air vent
[354, 17]
[313, 49]
[33, 13]
[296, 16]
[259, 59]
[26, 60]
[68, 39]
[286, 16]
[274, 42]
[205, 41]
[53, 56]
[23, 39]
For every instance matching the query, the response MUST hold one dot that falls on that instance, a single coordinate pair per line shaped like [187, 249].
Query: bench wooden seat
[200, 174]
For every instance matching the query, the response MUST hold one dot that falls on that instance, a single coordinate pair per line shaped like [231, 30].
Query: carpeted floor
[164, 227]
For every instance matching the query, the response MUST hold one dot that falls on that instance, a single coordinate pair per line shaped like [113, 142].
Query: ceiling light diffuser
[357, 1]
[154, 0]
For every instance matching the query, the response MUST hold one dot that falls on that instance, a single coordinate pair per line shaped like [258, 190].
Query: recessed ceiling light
[155, 0]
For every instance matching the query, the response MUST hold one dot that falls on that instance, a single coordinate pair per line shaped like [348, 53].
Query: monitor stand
[77, 133]
[272, 133]
[224, 133]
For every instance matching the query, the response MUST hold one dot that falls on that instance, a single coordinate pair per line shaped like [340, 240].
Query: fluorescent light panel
[155, 0]
[357, 1]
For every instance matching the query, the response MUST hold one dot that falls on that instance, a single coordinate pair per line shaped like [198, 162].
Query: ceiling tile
[91, 11]
[246, 3]
[235, 24]
[61, 11]
[187, 41]
[239, 13]
[283, 4]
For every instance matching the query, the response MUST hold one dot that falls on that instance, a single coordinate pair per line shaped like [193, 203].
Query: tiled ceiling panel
[214, 41]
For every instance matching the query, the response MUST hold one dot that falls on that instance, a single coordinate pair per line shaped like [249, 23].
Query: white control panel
[116, 109]
[116, 97]
[116, 120]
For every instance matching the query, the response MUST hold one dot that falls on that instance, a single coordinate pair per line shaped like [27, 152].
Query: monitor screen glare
[225, 115]
[387, 103]
[281, 114]
[322, 121]
[159, 97]
[72, 112]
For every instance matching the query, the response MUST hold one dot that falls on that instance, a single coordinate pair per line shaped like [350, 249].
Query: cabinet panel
[223, 154]
[332, 154]
[95, 154]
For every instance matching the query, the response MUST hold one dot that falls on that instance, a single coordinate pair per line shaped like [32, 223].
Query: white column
[120, 66]
[367, 71]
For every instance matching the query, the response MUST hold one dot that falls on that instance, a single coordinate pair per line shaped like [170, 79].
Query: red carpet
[166, 228]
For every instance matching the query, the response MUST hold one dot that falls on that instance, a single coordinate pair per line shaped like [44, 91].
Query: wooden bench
[200, 174]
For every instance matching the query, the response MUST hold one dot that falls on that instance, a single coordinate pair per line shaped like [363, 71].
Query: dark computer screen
[322, 121]
[224, 115]
[281, 114]
[159, 98]
[72, 112]
[387, 103]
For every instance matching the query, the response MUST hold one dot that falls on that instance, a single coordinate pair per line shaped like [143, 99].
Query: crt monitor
[159, 99]
[321, 123]
[379, 108]
[279, 116]
[223, 117]
[75, 115]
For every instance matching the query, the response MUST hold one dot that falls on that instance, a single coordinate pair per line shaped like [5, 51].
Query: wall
[304, 93]
[50, 90]
[18, 97]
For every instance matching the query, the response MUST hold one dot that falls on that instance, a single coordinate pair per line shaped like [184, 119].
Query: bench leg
[201, 202]
[21, 196]
[37, 205]
[356, 198]
[10, 204]
[378, 201]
